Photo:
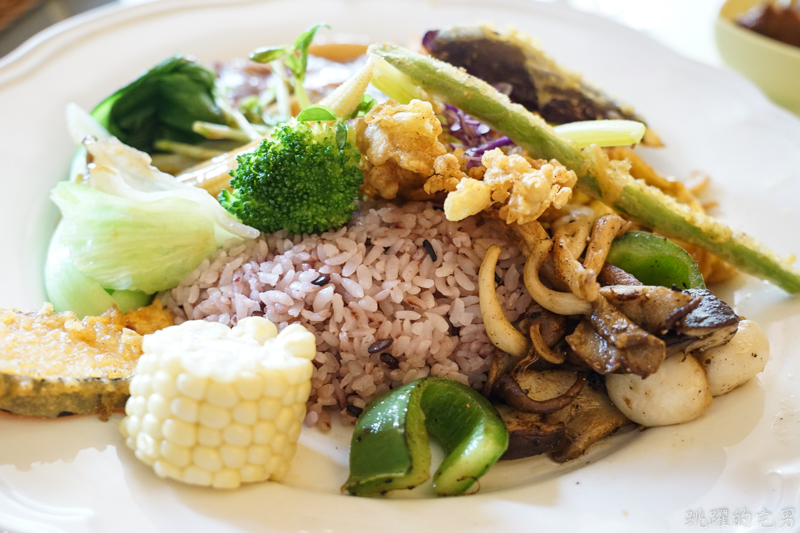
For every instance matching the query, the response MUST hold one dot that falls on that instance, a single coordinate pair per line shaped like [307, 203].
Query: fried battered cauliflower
[526, 190]
[401, 149]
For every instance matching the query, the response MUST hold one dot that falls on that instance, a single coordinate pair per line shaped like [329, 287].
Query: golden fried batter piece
[526, 190]
[401, 150]
[713, 269]
[150, 319]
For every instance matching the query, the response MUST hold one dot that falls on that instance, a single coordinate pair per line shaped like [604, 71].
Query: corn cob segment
[218, 407]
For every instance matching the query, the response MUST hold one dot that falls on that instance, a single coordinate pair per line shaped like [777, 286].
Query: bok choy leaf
[162, 103]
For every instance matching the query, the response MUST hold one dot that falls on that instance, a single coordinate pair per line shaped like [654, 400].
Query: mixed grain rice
[374, 279]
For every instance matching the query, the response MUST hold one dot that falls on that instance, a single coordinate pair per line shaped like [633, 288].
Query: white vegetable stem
[602, 132]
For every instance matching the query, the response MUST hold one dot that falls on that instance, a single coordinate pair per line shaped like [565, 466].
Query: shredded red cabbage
[474, 136]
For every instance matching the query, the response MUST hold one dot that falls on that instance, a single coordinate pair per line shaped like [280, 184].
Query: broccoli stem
[643, 204]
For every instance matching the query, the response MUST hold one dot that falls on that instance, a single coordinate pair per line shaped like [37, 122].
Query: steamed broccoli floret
[304, 178]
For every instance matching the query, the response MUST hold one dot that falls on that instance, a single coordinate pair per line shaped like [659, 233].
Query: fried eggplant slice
[537, 82]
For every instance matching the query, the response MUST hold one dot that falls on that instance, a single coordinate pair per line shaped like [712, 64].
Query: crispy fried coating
[526, 190]
[150, 319]
[402, 150]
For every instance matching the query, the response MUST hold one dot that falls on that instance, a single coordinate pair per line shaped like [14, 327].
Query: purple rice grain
[381, 345]
[389, 360]
[322, 280]
[429, 249]
[354, 411]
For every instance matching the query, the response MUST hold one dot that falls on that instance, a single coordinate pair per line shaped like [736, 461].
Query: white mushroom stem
[606, 228]
[581, 281]
[562, 303]
[500, 331]
[570, 233]
[575, 228]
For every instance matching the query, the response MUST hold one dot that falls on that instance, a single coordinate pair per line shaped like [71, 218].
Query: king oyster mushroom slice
[529, 434]
[610, 342]
[589, 418]
[652, 308]
[611, 275]
[712, 323]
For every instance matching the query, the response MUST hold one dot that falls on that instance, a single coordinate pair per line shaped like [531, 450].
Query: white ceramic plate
[74, 474]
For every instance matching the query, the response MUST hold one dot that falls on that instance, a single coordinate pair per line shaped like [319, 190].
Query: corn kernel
[180, 432]
[209, 436]
[207, 458]
[227, 479]
[164, 384]
[213, 416]
[222, 394]
[180, 456]
[192, 386]
[238, 434]
[185, 408]
[246, 413]
[250, 385]
[233, 456]
[166, 469]
[151, 425]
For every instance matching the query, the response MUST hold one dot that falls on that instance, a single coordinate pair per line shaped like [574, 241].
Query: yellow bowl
[770, 64]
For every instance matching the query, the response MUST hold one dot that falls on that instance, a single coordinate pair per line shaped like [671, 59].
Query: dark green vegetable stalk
[655, 260]
[163, 103]
[390, 451]
[597, 177]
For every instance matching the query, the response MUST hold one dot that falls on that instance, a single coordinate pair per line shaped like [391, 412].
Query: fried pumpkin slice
[52, 364]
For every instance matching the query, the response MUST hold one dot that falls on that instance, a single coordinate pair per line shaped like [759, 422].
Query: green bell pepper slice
[390, 449]
[655, 260]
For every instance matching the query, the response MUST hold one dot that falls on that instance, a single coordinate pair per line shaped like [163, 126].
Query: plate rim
[41, 47]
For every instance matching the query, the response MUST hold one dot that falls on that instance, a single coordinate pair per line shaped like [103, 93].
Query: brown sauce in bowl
[779, 23]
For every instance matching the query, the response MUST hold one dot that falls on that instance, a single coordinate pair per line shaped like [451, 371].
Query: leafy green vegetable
[294, 57]
[304, 178]
[389, 449]
[655, 260]
[316, 113]
[124, 244]
[163, 103]
[69, 289]
[596, 177]
[138, 228]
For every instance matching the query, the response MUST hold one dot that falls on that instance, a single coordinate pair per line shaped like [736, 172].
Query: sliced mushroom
[529, 434]
[611, 275]
[609, 343]
[540, 392]
[712, 323]
[605, 230]
[654, 309]
[570, 233]
[562, 303]
[541, 347]
[589, 418]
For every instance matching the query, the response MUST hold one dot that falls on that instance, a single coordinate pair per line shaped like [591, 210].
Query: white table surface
[686, 26]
